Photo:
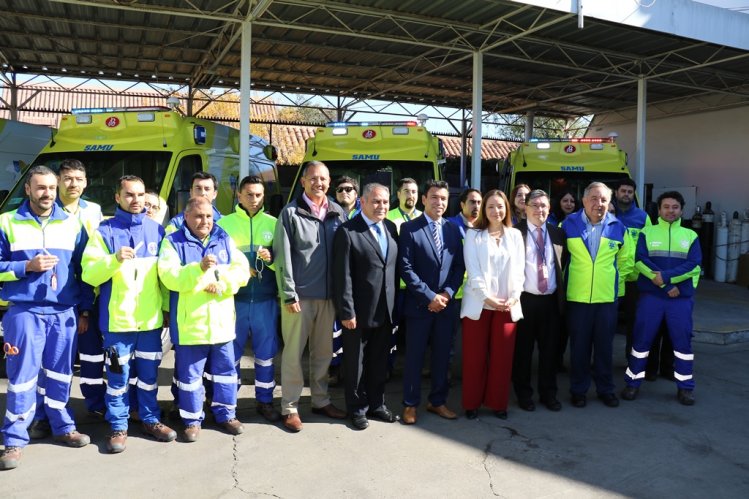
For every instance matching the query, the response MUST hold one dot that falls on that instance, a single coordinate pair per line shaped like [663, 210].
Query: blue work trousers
[91, 357]
[651, 311]
[190, 362]
[258, 321]
[144, 348]
[41, 368]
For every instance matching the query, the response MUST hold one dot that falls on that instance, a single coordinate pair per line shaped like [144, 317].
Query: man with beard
[40, 255]
[408, 194]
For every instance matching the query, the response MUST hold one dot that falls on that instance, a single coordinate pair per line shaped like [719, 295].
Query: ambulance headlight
[543, 145]
[83, 119]
[340, 131]
[146, 117]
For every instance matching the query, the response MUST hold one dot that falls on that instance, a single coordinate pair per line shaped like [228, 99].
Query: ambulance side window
[180, 191]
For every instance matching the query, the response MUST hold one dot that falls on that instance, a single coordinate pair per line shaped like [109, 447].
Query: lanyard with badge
[406, 216]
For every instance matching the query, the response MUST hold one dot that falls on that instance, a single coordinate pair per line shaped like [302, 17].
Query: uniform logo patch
[684, 244]
[612, 245]
[267, 237]
[223, 256]
[152, 248]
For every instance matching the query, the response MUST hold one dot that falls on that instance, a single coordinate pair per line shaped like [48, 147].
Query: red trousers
[488, 346]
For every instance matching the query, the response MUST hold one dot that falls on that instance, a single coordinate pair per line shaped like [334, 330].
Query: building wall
[707, 150]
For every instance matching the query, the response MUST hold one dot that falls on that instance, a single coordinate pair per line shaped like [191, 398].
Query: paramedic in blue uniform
[668, 258]
[40, 266]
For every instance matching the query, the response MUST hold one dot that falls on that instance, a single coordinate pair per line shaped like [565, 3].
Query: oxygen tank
[734, 247]
[721, 248]
[707, 239]
[745, 233]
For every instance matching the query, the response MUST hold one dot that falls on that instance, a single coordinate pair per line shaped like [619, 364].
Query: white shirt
[531, 269]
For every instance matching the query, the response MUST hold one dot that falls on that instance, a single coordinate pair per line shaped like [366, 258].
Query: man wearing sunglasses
[347, 195]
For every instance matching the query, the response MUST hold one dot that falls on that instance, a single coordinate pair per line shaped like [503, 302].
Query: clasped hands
[439, 302]
[214, 287]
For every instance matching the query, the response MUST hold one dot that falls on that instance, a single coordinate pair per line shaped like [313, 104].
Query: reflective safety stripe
[640, 355]
[148, 355]
[224, 379]
[219, 404]
[41, 391]
[236, 362]
[23, 417]
[133, 381]
[22, 387]
[260, 384]
[683, 356]
[190, 415]
[639, 375]
[189, 387]
[682, 377]
[145, 386]
[337, 333]
[92, 381]
[116, 393]
[91, 358]
[64, 378]
[264, 362]
[54, 404]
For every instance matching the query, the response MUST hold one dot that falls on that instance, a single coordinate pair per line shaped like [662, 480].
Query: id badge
[545, 271]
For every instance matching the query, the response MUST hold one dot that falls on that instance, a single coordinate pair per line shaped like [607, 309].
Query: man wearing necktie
[364, 283]
[431, 264]
[542, 302]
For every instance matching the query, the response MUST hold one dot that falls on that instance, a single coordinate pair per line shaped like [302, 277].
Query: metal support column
[190, 99]
[13, 97]
[529, 117]
[642, 103]
[244, 102]
[478, 79]
[463, 149]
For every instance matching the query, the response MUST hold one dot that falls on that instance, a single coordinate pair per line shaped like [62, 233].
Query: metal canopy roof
[420, 51]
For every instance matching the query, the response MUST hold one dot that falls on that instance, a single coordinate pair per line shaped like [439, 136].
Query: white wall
[707, 150]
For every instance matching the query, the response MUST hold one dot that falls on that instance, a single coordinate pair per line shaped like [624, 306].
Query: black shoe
[501, 414]
[527, 405]
[630, 393]
[578, 400]
[360, 421]
[472, 413]
[268, 412]
[685, 397]
[609, 399]
[552, 404]
[383, 414]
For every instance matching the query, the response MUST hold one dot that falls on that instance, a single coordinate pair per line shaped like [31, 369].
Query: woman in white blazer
[495, 265]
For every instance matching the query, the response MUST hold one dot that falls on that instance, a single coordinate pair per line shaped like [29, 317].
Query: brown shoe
[442, 411]
[268, 412]
[73, 439]
[232, 426]
[409, 415]
[9, 458]
[330, 411]
[293, 422]
[116, 441]
[159, 431]
[192, 432]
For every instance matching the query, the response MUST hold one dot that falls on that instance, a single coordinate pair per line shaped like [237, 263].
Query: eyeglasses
[344, 189]
[150, 206]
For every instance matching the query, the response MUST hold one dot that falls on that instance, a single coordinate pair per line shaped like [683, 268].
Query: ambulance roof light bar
[102, 110]
[344, 124]
[578, 140]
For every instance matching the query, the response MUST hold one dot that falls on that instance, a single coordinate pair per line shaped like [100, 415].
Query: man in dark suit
[365, 256]
[431, 265]
[542, 302]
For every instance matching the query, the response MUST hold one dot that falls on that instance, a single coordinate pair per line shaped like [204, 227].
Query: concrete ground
[651, 447]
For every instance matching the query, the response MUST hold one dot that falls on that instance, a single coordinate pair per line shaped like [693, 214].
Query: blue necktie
[381, 239]
[437, 238]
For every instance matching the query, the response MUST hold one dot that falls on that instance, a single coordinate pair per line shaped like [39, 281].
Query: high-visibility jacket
[250, 234]
[634, 220]
[178, 220]
[672, 250]
[598, 281]
[196, 316]
[398, 216]
[89, 213]
[22, 237]
[130, 298]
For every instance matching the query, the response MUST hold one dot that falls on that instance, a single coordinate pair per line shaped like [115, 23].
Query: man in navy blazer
[365, 254]
[431, 264]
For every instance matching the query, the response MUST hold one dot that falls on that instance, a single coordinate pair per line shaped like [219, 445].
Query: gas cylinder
[734, 248]
[707, 238]
[721, 248]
